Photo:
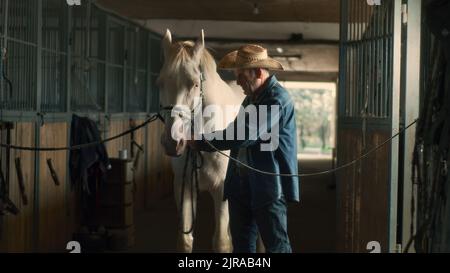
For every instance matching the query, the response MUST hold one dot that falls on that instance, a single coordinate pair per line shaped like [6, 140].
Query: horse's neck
[219, 93]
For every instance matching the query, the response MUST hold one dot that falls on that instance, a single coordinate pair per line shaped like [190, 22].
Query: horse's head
[180, 83]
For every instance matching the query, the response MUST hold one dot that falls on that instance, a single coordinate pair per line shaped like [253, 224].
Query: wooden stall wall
[157, 184]
[346, 180]
[17, 234]
[140, 181]
[57, 215]
[55, 224]
[113, 147]
[363, 192]
[160, 175]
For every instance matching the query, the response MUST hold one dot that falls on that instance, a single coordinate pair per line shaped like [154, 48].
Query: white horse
[180, 81]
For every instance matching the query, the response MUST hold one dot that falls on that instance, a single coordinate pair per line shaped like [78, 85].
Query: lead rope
[195, 166]
[316, 173]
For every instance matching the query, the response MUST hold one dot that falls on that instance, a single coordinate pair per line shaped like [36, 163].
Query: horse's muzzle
[173, 147]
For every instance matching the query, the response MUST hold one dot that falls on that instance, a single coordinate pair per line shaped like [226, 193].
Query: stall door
[368, 110]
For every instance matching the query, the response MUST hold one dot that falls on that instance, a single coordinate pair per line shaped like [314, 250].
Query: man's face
[247, 79]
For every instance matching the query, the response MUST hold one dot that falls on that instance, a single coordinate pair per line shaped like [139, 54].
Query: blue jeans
[270, 221]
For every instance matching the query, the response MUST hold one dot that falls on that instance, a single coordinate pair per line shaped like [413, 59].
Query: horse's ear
[166, 43]
[199, 46]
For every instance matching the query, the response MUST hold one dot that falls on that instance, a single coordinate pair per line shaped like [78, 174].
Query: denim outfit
[257, 202]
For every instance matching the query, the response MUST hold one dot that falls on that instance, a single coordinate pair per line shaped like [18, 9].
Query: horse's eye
[194, 85]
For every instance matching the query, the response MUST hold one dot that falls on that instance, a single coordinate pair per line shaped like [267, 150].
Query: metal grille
[22, 52]
[368, 45]
[97, 35]
[136, 71]
[2, 30]
[116, 35]
[115, 87]
[131, 42]
[54, 25]
[142, 49]
[22, 20]
[87, 70]
[22, 73]
[2, 17]
[54, 55]
[427, 45]
[136, 90]
[115, 66]
[109, 58]
[154, 94]
[155, 67]
[97, 57]
[155, 55]
[53, 82]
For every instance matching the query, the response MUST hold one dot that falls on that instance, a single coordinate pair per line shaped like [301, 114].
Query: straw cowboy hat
[249, 56]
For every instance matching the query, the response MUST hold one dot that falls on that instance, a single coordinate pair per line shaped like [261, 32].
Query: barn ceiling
[301, 34]
[229, 10]
[238, 30]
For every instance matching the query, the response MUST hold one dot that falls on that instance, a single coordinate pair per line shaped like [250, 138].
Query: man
[257, 202]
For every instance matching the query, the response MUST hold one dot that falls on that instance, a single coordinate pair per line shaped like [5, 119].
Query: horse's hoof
[185, 246]
[223, 247]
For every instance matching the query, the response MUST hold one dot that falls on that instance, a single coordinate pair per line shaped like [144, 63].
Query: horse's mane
[180, 54]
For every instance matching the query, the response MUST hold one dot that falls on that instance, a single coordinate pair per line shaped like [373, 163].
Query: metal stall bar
[412, 69]
[342, 97]
[88, 62]
[395, 119]
[137, 74]
[3, 42]
[125, 61]
[37, 127]
[154, 71]
[115, 65]
[54, 41]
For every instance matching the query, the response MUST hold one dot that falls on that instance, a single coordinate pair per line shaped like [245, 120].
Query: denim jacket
[262, 189]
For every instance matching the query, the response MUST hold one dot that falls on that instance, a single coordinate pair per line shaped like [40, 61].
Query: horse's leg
[222, 238]
[260, 248]
[184, 241]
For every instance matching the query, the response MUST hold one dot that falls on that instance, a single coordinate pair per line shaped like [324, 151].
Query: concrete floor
[311, 223]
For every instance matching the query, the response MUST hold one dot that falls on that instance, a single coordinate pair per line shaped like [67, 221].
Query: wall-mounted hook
[21, 181]
[41, 118]
[137, 145]
[136, 160]
[53, 172]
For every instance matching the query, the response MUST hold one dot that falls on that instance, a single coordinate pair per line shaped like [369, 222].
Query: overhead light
[279, 50]
[255, 9]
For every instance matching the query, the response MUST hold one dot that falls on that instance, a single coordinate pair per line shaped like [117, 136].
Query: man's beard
[247, 87]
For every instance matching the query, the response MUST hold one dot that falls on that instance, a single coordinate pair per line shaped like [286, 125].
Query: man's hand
[191, 142]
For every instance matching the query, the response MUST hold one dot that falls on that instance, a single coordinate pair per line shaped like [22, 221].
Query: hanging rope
[80, 146]
[317, 173]
[195, 166]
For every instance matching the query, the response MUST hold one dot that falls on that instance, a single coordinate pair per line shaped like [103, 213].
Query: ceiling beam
[229, 10]
[300, 76]
[296, 76]
[293, 56]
